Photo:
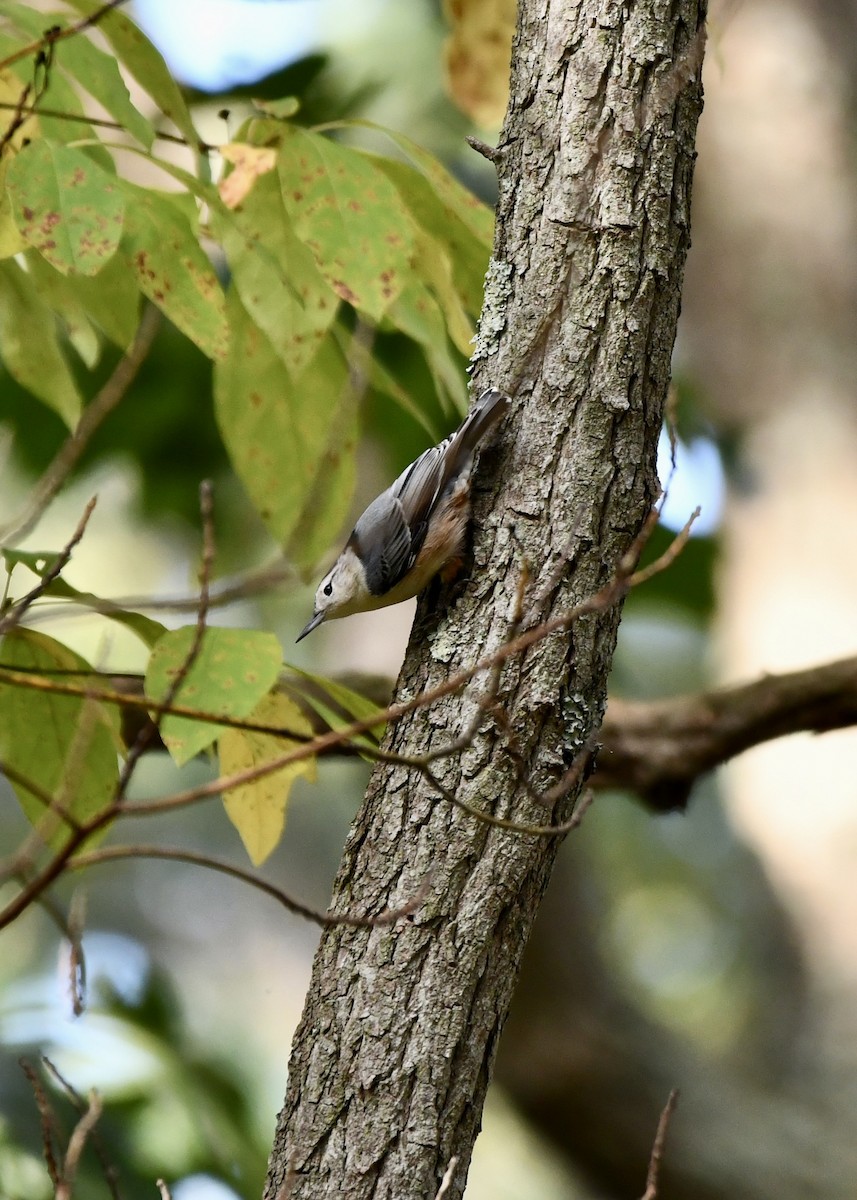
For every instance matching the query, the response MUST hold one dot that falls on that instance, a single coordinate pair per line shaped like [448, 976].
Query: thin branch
[490, 152]
[108, 1170]
[252, 584]
[449, 1173]
[47, 1119]
[18, 610]
[93, 415]
[24, 781]
[651, 1192]
[76, 957]
[610, 594]
[20, 111]
[113, 853]
[159, 708]
[103, 123]
[57, 34]
[76, 1144]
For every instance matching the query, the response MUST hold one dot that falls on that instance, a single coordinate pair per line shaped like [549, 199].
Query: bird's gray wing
[436, 469]
[384, 543]
[417, 490]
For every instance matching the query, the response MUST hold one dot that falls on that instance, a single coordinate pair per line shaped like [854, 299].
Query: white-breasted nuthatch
[411, 531]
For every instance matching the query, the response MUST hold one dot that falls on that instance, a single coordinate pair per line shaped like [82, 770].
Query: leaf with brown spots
[231, 673]
[349, 215]
[67, 746]
[460, 223]
[171, 269]
[275, 275]
[29, 345]
[292, 444]
[66, 206]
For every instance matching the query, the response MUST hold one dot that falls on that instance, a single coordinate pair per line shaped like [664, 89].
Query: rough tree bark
[393, 1055]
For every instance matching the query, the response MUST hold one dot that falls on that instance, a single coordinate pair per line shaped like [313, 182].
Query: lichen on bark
[392, 1058]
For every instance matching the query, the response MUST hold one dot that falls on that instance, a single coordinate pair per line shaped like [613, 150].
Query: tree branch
[659, 749]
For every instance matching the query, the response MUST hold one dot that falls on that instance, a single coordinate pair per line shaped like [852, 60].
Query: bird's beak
[315, 620]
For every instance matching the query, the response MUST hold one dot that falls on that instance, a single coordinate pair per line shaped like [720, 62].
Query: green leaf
[417, 314]
[112, 300]
[66, 745]
[99, 74]
[292, 446]
[450, 215]
[258, 809]
[349, 705]
[275, 275]
[282, 109]
[433, 265]
[234, 669]
[171, 269]
[144, 62]
[381, 379]
[29, 345]
[349, 215]
[60, 294]
[65, 206]
[455, 197]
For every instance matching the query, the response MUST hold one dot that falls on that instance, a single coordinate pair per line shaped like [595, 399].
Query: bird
[413, 530]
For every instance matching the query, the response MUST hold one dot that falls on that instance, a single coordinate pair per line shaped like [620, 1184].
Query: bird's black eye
[328, 589]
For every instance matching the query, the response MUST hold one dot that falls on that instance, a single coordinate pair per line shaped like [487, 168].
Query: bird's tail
[489, 409]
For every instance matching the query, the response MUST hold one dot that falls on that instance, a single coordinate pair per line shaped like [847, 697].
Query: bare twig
[47, 1120]
[13, 617]
[38, 683]
[253, 583]
[76, 1144]
[114, 853]
[161, 135]
[20, 111]
[57, 34]
[108, 1170]
[95, 412]
[24, 781]
[610, 594]
[76, 958]
[164, 1191]
[449, 1173]
[651, 1192]
[669, 555]
[489, 152]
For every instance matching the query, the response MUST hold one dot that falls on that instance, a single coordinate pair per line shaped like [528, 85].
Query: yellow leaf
[11, 241]
[477, 54]
[258, 809]
[248, 162]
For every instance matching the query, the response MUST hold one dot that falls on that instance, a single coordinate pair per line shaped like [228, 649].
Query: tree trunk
[393, 1055]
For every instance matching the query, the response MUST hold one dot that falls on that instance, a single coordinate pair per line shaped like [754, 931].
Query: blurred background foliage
[715, 951]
